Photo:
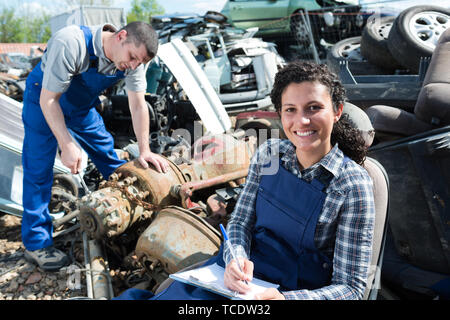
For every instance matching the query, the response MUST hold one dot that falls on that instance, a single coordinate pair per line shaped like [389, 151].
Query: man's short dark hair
[138, 33]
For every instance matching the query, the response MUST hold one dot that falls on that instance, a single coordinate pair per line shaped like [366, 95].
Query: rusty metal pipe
[66, 218]
[101, 282]
[203, 184]
[87, 265]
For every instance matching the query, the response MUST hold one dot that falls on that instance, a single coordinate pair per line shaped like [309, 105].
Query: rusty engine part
[176, 238]
[64, 193]
[133, 193]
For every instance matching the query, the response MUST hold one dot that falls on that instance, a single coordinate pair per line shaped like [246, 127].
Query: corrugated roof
[21, 47]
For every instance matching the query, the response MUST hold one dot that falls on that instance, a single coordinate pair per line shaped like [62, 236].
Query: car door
[264, 14]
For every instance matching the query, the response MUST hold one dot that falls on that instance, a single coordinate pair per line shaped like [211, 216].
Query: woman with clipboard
[305, 217]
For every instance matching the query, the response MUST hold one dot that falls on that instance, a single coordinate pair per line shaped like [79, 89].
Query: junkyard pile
[22, 280]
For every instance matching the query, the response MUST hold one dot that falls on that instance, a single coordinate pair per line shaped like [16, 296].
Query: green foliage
[31, 29]
[38, 29]
[9, 25]
[143, 10]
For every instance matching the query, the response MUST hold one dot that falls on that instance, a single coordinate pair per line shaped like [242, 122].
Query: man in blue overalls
[59, 111]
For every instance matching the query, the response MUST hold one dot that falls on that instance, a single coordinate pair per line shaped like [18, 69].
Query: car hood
[187, 71]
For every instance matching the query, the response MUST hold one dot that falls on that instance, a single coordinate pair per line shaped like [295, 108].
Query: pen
[228, 242]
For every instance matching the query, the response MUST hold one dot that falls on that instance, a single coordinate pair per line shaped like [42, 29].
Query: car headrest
[433, 102]
[362, 122]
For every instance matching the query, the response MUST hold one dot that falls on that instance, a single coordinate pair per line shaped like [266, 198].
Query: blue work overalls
[39, 145]
[282, 249]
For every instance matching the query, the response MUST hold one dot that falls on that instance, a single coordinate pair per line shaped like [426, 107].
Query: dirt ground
[21, 280]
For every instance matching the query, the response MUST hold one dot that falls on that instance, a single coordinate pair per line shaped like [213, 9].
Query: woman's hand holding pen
[234, 278]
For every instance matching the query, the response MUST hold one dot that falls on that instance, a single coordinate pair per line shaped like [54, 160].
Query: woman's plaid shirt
[345, 225]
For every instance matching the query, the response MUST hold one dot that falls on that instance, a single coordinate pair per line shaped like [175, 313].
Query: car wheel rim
[426, 27]
[302, 33]
[383, 30]
[351, 51]
[299, 28]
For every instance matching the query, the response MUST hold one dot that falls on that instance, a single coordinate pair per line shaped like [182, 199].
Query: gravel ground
[21, 280]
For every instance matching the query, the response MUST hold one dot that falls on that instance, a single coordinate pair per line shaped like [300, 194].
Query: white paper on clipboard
[211, 278]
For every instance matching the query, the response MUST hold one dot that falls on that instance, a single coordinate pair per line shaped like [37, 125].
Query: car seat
[381, 199]
[380, 179]
[416, 160]
[432, 108]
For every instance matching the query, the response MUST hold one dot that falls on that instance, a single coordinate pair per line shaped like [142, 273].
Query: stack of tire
[389, 43]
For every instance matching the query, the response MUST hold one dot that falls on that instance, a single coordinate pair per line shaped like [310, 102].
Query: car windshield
[19, 58]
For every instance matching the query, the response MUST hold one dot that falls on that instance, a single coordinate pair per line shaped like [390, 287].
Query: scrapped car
[239, 66]
[297, 20]
[17, 65]
[392, 44]
[20, 59]
[272, 18]
[11, 173]
[407, 103]
[241, 70]
[414, 147]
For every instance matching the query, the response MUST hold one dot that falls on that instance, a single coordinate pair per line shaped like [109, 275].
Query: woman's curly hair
[344, 132]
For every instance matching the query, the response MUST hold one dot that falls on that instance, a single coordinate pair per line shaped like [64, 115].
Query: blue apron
[39, 145]
[282, 249]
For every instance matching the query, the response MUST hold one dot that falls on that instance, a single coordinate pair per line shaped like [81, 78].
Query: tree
[143, 10]
[27, 27]
[10, 26]
[37, 29]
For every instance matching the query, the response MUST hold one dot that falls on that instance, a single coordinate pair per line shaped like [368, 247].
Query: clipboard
[210, 278]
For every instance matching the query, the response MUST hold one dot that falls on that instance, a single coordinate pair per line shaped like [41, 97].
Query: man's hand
[234, 279]
[160, 164]
[270, 294]
[71, 157]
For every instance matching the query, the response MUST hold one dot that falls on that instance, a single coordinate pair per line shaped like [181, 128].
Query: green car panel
[272, 17]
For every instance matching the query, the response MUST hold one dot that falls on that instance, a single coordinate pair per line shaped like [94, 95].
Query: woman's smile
[305, 133]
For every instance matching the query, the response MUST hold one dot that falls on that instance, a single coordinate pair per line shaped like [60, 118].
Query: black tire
[408, 46]
[299, 29]
[214, 16]
[374, 43]
[64, 189]
[349, 49]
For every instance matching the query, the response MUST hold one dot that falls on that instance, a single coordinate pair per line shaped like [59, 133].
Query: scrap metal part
[98, 280]
[134, 193]
[177, 238]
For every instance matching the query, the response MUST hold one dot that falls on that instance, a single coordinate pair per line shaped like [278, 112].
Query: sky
[170, 6]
